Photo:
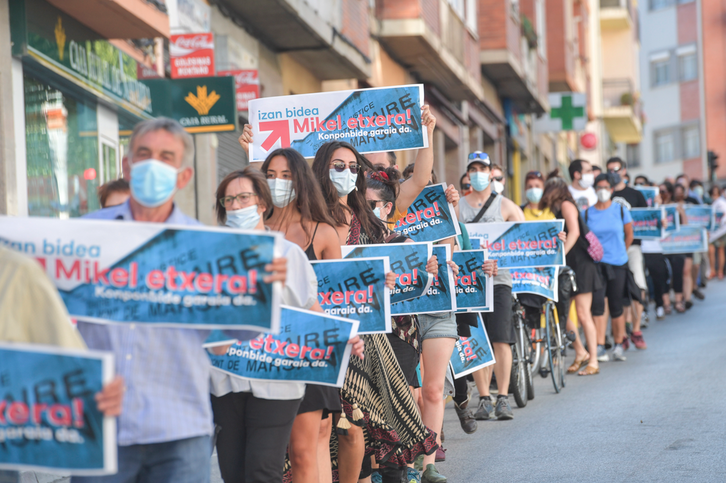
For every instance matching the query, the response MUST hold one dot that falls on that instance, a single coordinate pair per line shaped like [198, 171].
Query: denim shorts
[438, 325]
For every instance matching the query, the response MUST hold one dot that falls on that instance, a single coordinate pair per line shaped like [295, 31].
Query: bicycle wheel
[518, 378]
[527, 345]
[554, 348]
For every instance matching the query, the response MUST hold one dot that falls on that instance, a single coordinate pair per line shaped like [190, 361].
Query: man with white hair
[165, 430]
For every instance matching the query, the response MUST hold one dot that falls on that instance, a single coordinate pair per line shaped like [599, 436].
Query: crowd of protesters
[386, 423]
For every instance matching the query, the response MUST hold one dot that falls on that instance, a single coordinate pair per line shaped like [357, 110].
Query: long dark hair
[386, 183]
[308, 196]
[259, 184]
[371, 225]
[554, 194]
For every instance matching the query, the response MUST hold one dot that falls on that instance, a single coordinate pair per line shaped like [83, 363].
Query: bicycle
[521, 382]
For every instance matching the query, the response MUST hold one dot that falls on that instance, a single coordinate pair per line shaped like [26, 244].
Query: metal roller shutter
[230, 156]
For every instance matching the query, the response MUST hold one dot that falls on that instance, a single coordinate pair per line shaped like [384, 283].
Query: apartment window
[632, 153]
[471, 19]
[658, 4]
[691, 142]
[687, 63]
[665, 146]
[660, 69]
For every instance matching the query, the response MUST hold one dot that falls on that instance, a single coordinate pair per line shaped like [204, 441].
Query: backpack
[594, 247]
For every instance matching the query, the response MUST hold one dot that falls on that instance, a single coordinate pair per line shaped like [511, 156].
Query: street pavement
[660, 416]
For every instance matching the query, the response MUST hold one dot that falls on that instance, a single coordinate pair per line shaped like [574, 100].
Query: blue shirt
[166, 370]
[609, 227]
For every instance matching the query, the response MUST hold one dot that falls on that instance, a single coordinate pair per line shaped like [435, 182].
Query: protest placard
[408, 261]
[472, 353]
[356, 289]
[372, 120]
[649, 192]
[152, 273]
[476, 242]
[311, 347]
[522, 244]
[648, 222]
[717, 234]
[688, 239]
[674, 221]
[440, 297]
[474, 289]
[49, 420]
[430, 217]
[717, 219]
[538, 281]
[700, 215]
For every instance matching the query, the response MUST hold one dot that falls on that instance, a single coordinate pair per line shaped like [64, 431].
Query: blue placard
[688, 239]
[539, 281]
[474, 289]
[430, 217]
[522, 244]
[408, 261]
[672, 218]
[356, 289]
[372, 120]
[49, 418]
[700, 215]
[440, 297]
[650, 193]
[152, 273]
[476, 242]
[472, 353]
[717, 219]
[311, 347]
[648, 222]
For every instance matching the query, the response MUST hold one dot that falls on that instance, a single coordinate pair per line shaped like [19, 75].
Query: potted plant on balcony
[528, 32]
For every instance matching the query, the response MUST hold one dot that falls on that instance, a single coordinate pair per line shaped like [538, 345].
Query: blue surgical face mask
[344, 181]
[534, 195]
[479, 180]
[246, 218]
[282, 192]
[377, 212]
[153, 182]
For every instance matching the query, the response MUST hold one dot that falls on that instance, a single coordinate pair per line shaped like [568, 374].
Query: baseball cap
[478, 157]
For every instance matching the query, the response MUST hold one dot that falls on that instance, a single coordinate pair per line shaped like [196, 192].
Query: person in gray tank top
[498, 323]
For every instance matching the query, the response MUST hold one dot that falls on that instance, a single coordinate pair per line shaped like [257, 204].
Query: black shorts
[499, 324]
[320, 397]
[614, 279]
[407, 358]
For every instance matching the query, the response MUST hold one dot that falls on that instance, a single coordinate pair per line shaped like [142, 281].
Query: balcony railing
[620, 93]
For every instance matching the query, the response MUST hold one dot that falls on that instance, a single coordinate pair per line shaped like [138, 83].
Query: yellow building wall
[296, 79]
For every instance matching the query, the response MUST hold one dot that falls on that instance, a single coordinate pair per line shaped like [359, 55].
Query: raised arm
[413, 186]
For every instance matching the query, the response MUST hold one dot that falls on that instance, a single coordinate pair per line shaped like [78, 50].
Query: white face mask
[344, 181]
[587, 180]
[282, 192]
[498, 187]
[245, 218]
[603, 195]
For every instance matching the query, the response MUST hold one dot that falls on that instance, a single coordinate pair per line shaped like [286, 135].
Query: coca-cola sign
[247, 86]
[192, 55]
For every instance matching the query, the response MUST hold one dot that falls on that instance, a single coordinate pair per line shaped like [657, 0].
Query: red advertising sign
[192, 55]
[247, 86]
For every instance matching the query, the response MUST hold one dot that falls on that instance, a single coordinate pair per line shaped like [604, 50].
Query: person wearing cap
[582, 176]
[484, 206]
[631, 198]
[613, 226]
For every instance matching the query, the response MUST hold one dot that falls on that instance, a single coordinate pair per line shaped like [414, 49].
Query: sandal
[577, 365]
[680, 307]
[589, 371]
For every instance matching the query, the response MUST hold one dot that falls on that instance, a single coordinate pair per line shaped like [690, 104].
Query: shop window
[61, 136]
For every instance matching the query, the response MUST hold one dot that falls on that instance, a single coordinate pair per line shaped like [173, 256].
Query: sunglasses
[498, 178]
[466, 186]
[534, 174]
[374, 203]
[242, 198]
[613, 170]
[340, 166]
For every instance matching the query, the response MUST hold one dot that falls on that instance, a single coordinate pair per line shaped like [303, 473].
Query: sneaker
[660, 313]
[503, 412]
[618, 353]
[431, 475]
[626, 343]
[698, 294]
[689, 304]
[440, 454]
[418, 463]
[376, 477]
[466, 417]
[412, 476]
[485, 410]
[602, 355]
[638, 342]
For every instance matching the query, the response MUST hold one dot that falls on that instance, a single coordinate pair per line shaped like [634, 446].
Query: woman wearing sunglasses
[256, 417]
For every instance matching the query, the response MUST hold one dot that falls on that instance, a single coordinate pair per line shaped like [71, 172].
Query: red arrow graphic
[280, 130]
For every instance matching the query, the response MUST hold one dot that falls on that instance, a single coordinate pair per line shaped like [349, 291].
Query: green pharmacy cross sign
[567, 113]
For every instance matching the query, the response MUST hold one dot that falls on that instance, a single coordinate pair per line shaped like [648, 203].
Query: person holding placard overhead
[484, 206]
[165, 430]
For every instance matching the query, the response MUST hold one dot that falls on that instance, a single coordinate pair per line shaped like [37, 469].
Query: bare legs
[583, 302]
[325, 470]
[502, 368]
[351, 449]
[436, 354]
[303, 455]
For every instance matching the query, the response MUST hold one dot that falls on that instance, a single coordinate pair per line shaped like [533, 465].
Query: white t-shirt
[583, 198]
[301, 291]
[719, 206]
